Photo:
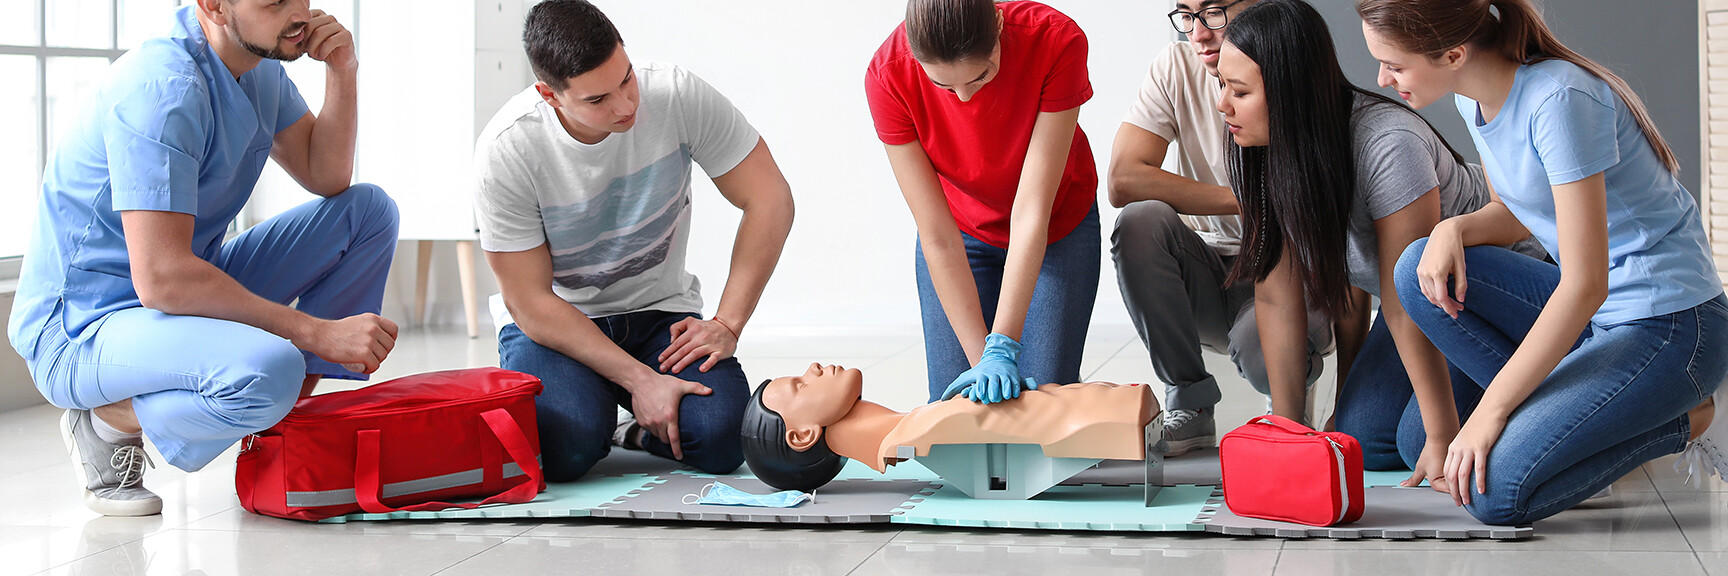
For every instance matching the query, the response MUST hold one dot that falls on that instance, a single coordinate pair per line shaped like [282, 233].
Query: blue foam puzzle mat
[633, 485]
[1088, 507]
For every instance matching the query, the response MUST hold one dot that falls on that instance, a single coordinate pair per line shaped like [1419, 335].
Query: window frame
[41, 52]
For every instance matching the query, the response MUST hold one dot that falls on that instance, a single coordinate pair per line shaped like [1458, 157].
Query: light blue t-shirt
[1561, 125]
[171, 130]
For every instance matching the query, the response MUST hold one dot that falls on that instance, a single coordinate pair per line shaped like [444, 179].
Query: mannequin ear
[802, 438]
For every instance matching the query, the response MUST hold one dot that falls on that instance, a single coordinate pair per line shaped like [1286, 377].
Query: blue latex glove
[997, 375]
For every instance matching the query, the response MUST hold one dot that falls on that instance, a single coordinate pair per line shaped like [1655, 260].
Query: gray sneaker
[1189, 429]
[113, 474]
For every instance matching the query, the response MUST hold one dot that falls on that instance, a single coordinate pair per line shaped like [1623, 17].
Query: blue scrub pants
[199, 384]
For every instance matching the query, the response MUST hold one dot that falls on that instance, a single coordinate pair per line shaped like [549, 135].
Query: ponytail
[1526, 38]
[947, 31]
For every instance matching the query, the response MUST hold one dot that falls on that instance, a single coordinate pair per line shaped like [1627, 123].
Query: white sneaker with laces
[1708, 455]
[113, 474]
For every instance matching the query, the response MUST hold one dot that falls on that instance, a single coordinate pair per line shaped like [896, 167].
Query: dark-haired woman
[1596, 365]
[1334, 183]
[978, 104]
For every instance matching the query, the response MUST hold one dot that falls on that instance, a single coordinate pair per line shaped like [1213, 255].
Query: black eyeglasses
[1212, 18]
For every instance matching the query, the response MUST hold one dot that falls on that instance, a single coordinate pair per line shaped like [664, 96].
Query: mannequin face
[818, 397]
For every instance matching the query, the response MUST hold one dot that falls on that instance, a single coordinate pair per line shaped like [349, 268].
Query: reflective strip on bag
[396, 489]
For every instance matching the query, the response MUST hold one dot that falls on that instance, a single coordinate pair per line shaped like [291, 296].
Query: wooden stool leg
[470, 300]
[422, 269]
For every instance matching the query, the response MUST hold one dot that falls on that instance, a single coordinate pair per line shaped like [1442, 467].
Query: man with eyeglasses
[1178, 234]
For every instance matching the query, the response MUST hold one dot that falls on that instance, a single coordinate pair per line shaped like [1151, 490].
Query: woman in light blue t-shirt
[1603, 362]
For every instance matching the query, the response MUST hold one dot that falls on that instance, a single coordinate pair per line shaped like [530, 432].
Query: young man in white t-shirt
[1178, 234]
[584, 207]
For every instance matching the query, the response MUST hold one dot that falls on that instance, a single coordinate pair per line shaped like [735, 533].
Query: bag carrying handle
[369, 489]
[1283, 423]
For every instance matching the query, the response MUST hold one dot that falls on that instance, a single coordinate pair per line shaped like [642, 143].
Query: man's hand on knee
[694, 339]
[359, 343]
[655, 404]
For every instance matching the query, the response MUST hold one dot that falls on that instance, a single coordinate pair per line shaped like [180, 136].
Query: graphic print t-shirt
[616, 215]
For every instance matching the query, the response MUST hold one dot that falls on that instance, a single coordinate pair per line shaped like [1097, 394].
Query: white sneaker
[113, 474]
[1708, 455]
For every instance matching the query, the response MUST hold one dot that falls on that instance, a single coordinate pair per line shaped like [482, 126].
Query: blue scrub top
[171, 130]
[1561, 125]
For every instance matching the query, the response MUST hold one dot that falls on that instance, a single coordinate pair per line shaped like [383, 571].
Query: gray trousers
[1173, 285]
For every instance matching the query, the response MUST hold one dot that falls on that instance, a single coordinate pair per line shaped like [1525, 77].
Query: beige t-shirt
[1179, 102]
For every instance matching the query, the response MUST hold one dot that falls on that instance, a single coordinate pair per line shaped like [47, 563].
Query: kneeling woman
[1334, 182]
[978, 104]
[1603, 362]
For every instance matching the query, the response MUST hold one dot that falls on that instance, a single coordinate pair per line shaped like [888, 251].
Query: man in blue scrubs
[135, 315]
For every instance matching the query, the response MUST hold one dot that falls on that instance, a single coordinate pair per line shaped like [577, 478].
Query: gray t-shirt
[1398, 159]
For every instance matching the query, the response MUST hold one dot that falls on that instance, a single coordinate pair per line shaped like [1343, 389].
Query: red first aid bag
[398, 445]
[1277, 469]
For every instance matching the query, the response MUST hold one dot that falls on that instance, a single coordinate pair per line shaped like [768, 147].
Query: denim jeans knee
[576, 411]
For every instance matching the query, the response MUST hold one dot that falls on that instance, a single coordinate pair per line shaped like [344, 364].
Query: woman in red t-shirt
[978, 104]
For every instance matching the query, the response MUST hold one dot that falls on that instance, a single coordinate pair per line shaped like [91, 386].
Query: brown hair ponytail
[946, 31]
[1431, 27]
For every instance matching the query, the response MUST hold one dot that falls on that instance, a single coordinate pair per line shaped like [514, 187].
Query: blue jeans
[579, 408]
[199, 384]
[1377, 404]
[1056, 321]
[1617, 400]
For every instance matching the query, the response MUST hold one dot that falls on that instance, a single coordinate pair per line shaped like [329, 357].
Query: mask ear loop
[698, 496]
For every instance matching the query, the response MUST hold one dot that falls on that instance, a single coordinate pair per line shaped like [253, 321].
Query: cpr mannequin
[798, 430]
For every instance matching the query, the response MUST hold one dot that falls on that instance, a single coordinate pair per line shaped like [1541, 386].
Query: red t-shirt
[979, 147]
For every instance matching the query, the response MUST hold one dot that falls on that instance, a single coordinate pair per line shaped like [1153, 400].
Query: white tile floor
[1653, 524]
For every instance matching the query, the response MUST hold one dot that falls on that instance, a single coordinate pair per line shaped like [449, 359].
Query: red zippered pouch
[1277, 469]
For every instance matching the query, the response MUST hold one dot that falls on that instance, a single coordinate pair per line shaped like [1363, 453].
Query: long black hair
[1297, 191]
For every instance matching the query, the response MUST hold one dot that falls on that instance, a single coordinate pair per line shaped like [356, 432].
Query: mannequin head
[784, 421]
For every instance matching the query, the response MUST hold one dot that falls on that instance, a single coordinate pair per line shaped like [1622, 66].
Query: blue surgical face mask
[721, 494]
